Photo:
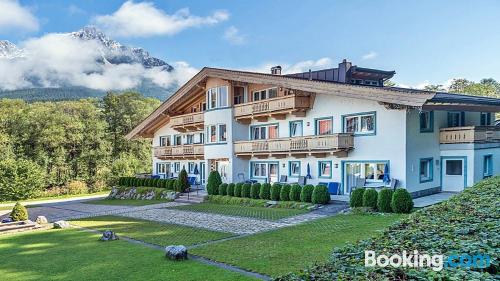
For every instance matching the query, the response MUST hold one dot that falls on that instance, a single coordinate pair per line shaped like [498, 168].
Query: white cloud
[144, 20]
[233, 35]
[369, 56]
[301, 66]
[15, 17]
[75, 10]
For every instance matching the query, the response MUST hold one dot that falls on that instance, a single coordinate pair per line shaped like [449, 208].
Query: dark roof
[374, 71]
[442, 97]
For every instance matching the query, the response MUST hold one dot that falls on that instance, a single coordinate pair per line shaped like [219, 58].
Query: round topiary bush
[214, 181]
[320, 195]
[357, 198]
[245, 191]
[384, 200]
[370, 198]
[295, 192]
[238, 188]
[223, 189]
[19, 213]
[285, 192]
[230, 189]
[265, 191]
[401, 201]
[306, 193]
[254, 190]
[275, 191]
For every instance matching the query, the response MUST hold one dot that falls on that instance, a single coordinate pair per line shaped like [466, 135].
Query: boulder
[61, 224]
[271, 203]
[176, 252]
[7, 220]
[41, 220]
[108, 235]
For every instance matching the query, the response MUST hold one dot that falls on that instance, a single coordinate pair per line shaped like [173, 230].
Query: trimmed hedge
[370, 198]
[230, 189]
[223, 189]
[265, 191]
[285, 192]
[19, 213]
[401, 201]
[356, 199]
[238, 188]
[320, 195]
[275, 191]
[295, 192]
[306, 193]
[214, 181]
[254, 190]
[245, 191]
[228, 200]
[384, 200]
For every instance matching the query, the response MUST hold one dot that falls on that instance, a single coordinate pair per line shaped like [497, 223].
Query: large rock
[176, 252]
[41, 220]
[108, 235]
[61, 224]
[7, 220]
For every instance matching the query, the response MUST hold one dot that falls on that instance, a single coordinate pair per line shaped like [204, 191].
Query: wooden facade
[471, 134]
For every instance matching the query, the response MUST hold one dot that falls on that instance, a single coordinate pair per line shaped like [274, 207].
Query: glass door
[273, 172]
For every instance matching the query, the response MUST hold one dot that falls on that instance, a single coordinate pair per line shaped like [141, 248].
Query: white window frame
[266, 93]
[263, 129]
[165, 140]
[375, 171]
[191, 167]
[294, 169]
[177, 167]
[217, 131]
[218, 97]
[358, 130]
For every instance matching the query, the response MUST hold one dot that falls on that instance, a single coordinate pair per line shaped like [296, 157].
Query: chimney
[344, 67]
[276, 70]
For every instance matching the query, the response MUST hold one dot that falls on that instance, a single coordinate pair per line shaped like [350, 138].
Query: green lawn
[77, 255]
[242, 211]
[152, 232]
[33, 200]
[292, 248]
[126, 202]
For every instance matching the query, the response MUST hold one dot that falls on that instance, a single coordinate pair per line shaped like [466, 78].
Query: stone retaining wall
[132, 193]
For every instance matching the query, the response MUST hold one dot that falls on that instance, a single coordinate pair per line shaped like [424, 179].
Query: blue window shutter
[462, 118]
[488, 119]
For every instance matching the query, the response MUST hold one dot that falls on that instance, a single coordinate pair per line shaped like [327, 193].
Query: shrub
[401, 201]
[384, 200]
[370, 198]
[254, 190]
[182, 182]
[20, 179]
[238, 188]
[265, 191]
[320, 195]
[171, 184]
[19, 212]
[306, 193]
[245, 191]
[230, 189]
[76, 187]
[357, 198]
[214, 181]
[295, 192]
[223, 189]
[285, 192]
[275, 191]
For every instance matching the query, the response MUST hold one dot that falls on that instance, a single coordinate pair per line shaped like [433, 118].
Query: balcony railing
[187, 122]
[275, 107]
[195, 151]
[472, 134]
[321, 146]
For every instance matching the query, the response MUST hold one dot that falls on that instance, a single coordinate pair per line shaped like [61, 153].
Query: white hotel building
[338, 125]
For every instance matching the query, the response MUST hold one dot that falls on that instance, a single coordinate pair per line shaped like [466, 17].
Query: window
[165, 141]
[294, 169]
[202, 138]
[324, 126]
[426, 170]
[239, 95]
[162, 168]
[190, 139]
[191, 167]
[264, 132]
[259, 170]
[265, 94]
[268, 170]
[426, 121]
[222, 133]
[296, 129]
[359, 124]
[374, 172]
[217, 97]
[485, 118]
[212, 134]
[177, 140]
[325, 169]
[456, 119]
[487, 166]
[177, 167]
[453, 167]
[216, 133]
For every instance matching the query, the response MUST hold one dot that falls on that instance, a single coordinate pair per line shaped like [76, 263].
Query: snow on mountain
[9, 50]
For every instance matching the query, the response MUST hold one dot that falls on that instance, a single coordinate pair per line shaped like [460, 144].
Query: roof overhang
[459, 102]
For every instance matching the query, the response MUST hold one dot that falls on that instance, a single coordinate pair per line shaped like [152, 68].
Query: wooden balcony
[472, 134]
[299, 147]
[277, 107]
[193, 151]
[187, 122]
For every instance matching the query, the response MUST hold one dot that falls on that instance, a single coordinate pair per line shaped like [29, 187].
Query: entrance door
[273, 172]
[453, 174]
[202, 173]
[222, 168]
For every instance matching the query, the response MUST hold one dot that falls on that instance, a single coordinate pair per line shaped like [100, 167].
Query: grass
[242, 211]
[33, 200]
[292, 248]
[152, 232]
[78, 255]
[126, 202]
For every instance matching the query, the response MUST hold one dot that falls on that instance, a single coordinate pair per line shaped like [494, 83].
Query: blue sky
[424, 41]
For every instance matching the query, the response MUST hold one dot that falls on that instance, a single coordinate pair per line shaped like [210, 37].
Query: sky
[423, 41]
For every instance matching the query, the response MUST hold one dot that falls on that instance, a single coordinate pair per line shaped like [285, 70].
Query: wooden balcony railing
[192, 151]
[187, 122]
[320, 146]
[472, 134]
[275, 107]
